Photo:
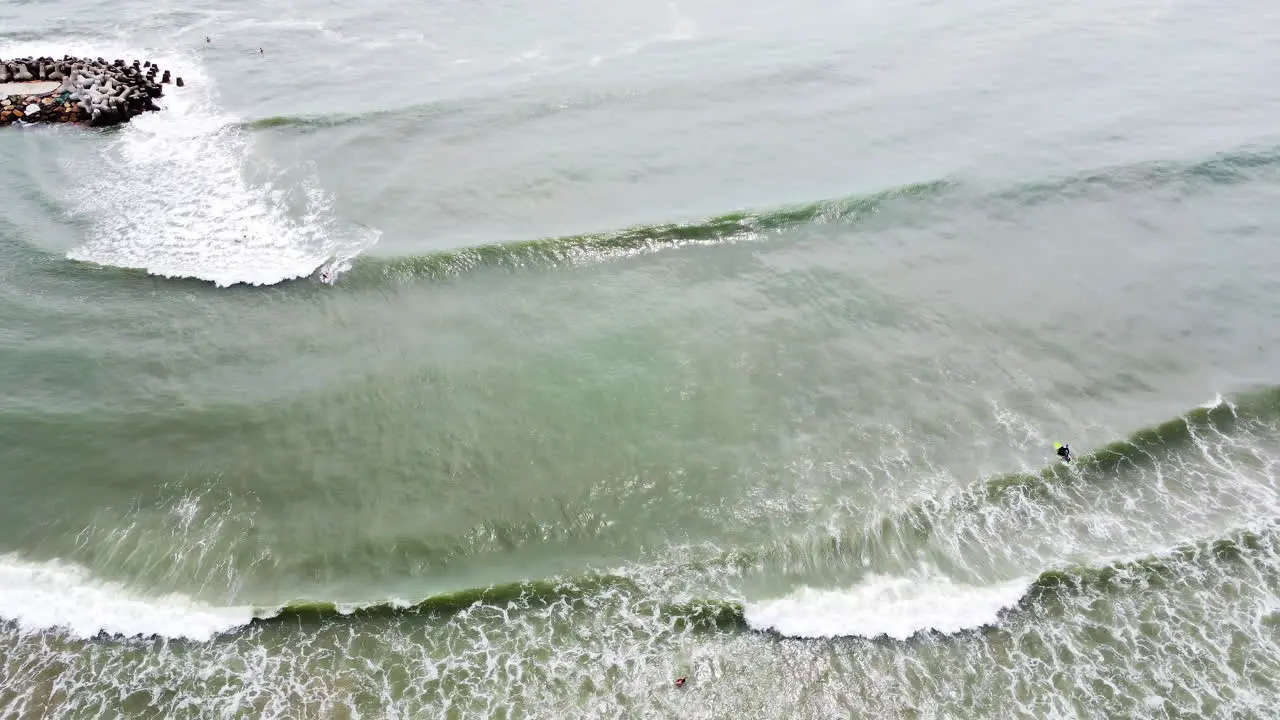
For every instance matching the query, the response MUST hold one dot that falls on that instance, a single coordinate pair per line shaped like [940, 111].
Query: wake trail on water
[170, 192]
[46, 596]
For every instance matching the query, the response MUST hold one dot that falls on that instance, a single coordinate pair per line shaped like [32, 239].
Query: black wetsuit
[1064, 452]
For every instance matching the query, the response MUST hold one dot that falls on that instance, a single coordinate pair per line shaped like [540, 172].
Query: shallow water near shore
[665, 339]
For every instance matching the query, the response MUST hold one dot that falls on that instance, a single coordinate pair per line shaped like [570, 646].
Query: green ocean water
[726, 342]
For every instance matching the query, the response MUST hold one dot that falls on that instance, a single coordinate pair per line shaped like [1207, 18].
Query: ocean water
[715, 340]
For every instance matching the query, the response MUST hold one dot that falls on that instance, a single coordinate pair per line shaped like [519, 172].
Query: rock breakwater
[95, 92]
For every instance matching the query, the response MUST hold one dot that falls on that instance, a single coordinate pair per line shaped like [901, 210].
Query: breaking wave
[207, 222]
[172, 194]
[42, 596]
[45, 596]
[754, 225]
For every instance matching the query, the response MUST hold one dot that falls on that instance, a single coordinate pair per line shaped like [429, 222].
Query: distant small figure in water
[206, 39]
[1063, 450]
[260, 52]
[680, 681]
[326, 276]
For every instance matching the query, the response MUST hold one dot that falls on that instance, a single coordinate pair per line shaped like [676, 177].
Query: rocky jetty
[93, 92]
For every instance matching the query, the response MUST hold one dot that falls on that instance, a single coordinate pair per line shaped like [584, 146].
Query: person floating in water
[680, 681]
[1063, 450]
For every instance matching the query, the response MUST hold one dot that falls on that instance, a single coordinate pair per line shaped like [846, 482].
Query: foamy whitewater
[170, 194]
[56, 596]
[898, 607]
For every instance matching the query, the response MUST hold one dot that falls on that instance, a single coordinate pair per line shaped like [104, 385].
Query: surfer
[1063, 450]
[680, 681]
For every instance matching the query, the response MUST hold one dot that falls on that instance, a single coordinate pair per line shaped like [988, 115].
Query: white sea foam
[43, 596]
[1215, 402]
[895, 606]
[169, 193]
